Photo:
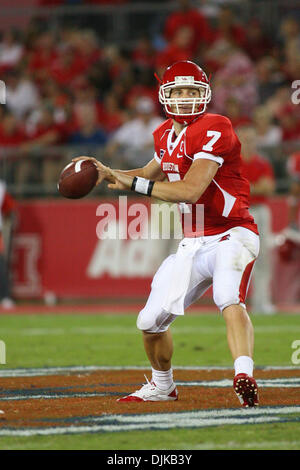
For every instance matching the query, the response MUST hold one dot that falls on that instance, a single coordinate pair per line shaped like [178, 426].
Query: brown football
[77, 179]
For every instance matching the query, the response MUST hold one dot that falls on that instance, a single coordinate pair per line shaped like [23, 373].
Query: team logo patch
[184, 80]
[161, 153]
[168, 166]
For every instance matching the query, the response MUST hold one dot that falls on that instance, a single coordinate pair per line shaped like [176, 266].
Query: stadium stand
[63, 69]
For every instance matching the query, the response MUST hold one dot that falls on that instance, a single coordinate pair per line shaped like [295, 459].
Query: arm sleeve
[156, 158]
[157, 151]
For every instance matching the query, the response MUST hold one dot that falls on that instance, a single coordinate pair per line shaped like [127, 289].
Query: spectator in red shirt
[42, 132]
[144, 53]
[235, 77]
[68, 66]
[293, 167]
[178, 49]
[11, 132]
[289, 247]
[289, 121]
[228, 28]
[42, 56]
[85, 44]
[84, 94]
[145, 85]
[260, 175]
[110, 115]
[256, 44]
[233, 110]
[192, 19]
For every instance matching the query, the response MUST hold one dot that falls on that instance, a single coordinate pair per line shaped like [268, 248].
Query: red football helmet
[184, 74]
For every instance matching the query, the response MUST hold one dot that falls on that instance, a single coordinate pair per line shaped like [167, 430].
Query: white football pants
[224, 261]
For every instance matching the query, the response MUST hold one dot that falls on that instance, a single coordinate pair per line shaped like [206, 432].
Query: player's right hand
[104, 172]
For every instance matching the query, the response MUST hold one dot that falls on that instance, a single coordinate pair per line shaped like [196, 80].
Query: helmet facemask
[174, 106]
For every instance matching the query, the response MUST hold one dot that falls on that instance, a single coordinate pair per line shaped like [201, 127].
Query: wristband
[142, 185]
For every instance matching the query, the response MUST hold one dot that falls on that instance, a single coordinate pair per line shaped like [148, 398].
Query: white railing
[36, 173]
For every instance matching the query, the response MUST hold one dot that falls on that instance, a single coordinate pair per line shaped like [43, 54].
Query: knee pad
[150, 322]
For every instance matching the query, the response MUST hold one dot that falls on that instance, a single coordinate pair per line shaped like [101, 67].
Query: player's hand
[121, 181]
[104, 172]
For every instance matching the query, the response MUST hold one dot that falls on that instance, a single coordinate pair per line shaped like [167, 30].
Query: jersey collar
[172, 145]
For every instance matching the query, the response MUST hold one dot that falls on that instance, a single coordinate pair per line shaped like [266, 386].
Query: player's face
[182, 94]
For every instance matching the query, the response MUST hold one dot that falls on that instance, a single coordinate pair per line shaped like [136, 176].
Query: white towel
[181, 275]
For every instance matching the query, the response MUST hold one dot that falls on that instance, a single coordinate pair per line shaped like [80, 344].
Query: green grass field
[113, 340]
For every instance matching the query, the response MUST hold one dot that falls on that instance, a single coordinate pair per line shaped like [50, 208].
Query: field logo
[296, 354]
[2, 92]
[2, 352]
[296, 95]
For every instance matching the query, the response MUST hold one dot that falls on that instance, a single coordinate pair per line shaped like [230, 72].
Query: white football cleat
[150, 392]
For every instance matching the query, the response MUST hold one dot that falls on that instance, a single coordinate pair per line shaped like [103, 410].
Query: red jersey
[293, 166]
[192, 19]
[226, 199]
[255, 169]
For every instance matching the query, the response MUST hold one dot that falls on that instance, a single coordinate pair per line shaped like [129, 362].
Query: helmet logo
[184, 80]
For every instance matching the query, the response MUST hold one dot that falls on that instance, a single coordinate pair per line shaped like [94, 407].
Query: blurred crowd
[69, 92]
[66, 86]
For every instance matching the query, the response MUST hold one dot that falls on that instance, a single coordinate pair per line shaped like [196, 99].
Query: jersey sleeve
[214, 142]
[157, 133]
[157, 156]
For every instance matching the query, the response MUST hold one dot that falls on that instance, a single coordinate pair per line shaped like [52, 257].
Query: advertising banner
[85, 248]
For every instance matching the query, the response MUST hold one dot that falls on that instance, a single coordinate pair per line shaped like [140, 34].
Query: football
[77, 179]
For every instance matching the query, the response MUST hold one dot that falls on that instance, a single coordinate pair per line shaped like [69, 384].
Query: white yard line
[50, 397]
[160, 421]
[31, 372]
[269, 383]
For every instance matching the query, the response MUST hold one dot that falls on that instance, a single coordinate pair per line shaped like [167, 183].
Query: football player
[197, 163]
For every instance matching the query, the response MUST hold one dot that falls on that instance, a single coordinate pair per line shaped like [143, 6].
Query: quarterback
[196, 162]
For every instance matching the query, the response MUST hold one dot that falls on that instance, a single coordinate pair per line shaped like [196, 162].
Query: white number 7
[215, 135]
